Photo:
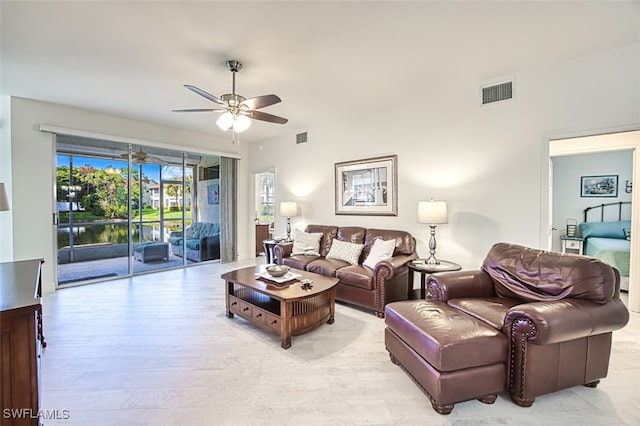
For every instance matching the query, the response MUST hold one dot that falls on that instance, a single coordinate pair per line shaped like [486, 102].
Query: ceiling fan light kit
[237, 110]
[239, 123]
[225, 121]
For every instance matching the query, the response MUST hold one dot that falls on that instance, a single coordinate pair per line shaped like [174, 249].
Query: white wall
[567, 171]
[6, 228]
[32, 170]
[487, 162]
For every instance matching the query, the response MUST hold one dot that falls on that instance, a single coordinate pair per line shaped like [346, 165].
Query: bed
[607, 235]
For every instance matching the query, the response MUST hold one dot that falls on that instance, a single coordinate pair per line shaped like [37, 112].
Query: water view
[115, 233]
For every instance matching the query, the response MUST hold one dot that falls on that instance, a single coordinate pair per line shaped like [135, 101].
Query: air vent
[497, 93]
[301, 137]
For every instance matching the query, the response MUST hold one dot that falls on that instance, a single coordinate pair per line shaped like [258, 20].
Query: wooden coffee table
[283, 310]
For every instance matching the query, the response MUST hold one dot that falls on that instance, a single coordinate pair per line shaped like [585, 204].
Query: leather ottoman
[453, 356]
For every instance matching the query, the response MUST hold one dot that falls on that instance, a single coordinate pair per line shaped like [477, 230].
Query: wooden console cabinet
[21, 340]
[262, 233]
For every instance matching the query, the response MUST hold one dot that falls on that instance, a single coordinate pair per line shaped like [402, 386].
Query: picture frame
[213, 194]
[367, 187]
[599, 186]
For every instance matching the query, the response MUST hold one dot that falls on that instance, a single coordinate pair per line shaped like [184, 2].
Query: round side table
[425, 269]
[268, 249]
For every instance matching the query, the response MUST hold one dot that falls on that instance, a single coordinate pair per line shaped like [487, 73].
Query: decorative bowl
[277, 270]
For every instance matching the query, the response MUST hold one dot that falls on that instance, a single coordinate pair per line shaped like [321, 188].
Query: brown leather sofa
[359, 285]
[557, 310]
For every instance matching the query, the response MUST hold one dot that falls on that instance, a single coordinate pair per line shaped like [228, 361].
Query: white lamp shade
[4, 200]
[288, 209]
[432, 212]
[241, 123]
[225, 121]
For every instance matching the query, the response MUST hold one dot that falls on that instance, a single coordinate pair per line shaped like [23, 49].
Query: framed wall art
[367, 187]
[599, 186]
[213, 194]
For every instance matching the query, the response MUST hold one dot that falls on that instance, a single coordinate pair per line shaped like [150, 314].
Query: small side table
[424, 269]
[268, 248]
[573, 245]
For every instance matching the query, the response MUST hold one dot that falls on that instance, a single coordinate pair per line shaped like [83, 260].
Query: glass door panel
[91, 205]
[155, 206]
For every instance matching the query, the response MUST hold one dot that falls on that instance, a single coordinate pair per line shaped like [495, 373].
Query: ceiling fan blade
[198, 110]
[154, 160]
[260, 101]
[263, 116]
[204, 94]
[146, 159]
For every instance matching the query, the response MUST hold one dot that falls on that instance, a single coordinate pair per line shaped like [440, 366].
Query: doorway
[264, 206]
[609, 142]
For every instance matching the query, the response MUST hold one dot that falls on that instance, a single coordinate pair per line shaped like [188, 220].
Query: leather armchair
[557, 310]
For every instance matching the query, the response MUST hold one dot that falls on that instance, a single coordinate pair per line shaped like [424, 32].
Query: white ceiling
[326, 60]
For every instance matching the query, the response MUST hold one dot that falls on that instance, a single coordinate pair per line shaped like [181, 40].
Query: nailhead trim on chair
[516, 329]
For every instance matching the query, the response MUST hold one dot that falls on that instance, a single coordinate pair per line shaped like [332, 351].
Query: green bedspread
[613, 251]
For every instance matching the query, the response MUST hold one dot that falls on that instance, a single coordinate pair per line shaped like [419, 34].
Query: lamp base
[288, 230]
[431, 260]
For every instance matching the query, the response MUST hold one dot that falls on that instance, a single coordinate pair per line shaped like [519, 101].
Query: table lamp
[432, 213]
[288, 209]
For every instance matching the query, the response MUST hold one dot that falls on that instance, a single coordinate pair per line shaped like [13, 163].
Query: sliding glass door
[92, 218]
[123, 209]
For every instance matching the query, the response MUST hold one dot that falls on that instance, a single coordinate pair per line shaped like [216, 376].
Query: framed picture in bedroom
[367, 187]
[599, 186]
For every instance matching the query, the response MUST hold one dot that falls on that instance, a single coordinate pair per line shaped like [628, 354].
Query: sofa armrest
[566, 319]
[282, 250]
[210, 247]
[449, 285]
[209, 238]
[390, 281]
[394, 264]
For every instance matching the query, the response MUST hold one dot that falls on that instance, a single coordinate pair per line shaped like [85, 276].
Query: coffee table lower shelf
[286, 311]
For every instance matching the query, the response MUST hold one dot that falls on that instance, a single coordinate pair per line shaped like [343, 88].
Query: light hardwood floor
[158, 349]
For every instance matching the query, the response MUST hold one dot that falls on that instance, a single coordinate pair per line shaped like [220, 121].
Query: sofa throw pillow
[306, 244]
[380, 250]
[345, 251]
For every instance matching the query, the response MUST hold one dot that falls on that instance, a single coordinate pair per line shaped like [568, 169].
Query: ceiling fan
[237, 110]
[141, 157]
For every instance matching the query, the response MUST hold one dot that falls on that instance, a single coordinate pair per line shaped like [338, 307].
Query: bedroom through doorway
[607, 161]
